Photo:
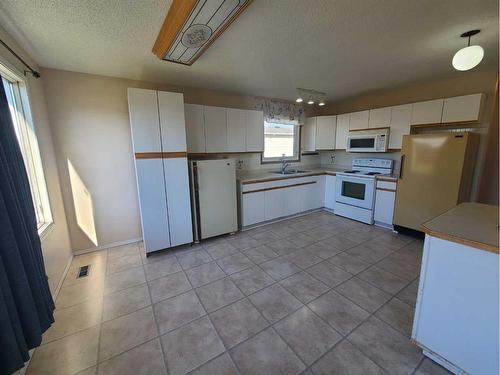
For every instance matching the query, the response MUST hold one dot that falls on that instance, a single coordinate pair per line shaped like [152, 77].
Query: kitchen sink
[290, 171]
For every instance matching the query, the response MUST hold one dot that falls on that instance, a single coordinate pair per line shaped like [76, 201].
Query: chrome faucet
[284, 164]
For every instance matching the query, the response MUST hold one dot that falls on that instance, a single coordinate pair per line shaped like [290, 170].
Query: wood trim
[365, 129]
[384, 189]
[460, 240]
[443, 124]
[160, 155]
[299, 175]
[174, 21]
[176, 17]
[278, 187]
[388, 179]
[222, 153]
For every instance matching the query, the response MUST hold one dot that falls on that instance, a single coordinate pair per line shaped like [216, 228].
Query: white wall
[55, 243]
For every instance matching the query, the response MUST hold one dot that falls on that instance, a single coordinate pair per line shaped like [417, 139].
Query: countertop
[256, 176]
[471, 224]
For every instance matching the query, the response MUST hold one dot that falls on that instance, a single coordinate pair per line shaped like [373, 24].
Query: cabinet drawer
[387, 185]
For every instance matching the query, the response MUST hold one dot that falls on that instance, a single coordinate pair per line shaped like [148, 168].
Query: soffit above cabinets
[191, 26]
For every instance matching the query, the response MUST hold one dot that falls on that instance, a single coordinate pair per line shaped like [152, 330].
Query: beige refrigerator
[435, 174]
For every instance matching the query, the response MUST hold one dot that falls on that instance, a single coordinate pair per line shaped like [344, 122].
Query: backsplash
[252, 161]
[342, 158]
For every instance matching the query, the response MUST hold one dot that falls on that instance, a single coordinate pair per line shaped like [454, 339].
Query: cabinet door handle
[401, 167]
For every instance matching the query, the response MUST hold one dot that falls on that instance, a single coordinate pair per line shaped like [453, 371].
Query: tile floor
[314, 294]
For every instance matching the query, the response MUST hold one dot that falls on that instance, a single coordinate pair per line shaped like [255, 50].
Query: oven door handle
[401, 164]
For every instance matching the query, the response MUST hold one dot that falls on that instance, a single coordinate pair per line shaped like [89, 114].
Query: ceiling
[340, 47]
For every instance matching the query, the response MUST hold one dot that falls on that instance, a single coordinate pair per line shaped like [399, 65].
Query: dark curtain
[26, 306]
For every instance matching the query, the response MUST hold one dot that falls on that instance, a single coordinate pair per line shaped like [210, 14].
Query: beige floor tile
[234, 263]
[222, 365]
[383, 280]
[266, 353]
[124, 333]
[191, 346]
[89, 371]
[387, 347]
[279, 268]
[251, 280]
[75, 294]
[218, 294]
[328, 273]
[122, 263]
[124, 279]
[275, 302]
[193, 258]
[308, 335]
[365, 295]
[260, 254]
[162, 267]
[397, 314]
[125, 302]
[168, 286]
[68, 355]
[346, 359]
[146, 359]
[237, 322]
[304, 287]
[429, 367]
[349, 263]
[96, 274]
[90, 258]
[124, 250]
[177, 311]
[205, 274]
[73, 319]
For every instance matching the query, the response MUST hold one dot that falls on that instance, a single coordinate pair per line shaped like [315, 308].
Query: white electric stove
[355, 189]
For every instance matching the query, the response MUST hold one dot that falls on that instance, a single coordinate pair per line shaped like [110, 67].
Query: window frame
[296, 146]
[26, 134]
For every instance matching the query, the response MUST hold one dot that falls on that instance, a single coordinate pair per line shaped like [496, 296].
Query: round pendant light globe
[468, 57]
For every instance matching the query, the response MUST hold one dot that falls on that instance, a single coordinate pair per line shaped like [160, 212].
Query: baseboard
[107, 246]
[59, 285]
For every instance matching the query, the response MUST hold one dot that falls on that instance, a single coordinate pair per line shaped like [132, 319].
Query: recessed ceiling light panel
[192, 25]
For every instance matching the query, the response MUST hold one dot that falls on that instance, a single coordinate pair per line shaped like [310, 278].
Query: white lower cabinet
[253, 208]
[385, 197]
[274, 200]
[329, 192]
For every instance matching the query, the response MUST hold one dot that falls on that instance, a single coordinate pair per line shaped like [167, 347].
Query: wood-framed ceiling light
[191, 26]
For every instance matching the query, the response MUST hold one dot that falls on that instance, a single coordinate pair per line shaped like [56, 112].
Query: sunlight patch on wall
[84, 208]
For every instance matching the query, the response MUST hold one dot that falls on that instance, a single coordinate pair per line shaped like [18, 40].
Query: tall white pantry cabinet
[159, 144]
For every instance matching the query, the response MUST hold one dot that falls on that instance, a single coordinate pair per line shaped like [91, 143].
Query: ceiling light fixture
[191, 26]
[312, 96]
[470, 56]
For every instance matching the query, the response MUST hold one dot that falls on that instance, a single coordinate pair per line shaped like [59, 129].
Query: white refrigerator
[213, 189]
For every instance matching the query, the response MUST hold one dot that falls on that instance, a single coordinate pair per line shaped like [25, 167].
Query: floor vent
[83, 271]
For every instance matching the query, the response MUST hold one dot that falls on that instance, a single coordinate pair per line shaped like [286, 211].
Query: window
[279, 140]
[17, 97]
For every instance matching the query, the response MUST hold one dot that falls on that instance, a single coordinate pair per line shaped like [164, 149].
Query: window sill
[45, 229]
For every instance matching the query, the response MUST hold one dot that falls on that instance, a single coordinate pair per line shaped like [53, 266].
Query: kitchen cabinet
[309, 134]
[319, 133]
[329, 192]
[195, 128]
[359, 120]
[379, 117]
[465, 108]
[172, 121]
[158, 133]
[215, 129]
[325, 132]
[385, 196]
[274, 200]
[253, 208]
[254, 123]
[342, 131]
[428, 112]
[400, 124]
[236, 130]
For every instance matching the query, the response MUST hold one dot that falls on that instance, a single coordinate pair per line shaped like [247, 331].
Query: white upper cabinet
[215, 129]
[380, 117]
[172, 123]
[195, 128]
[462, 108]
[309, 137]
[254, 130]
[325, 132]
[236, 130]
[400, 124]
[143, 111]
[359, 120]
[428, 112]
[342, 131]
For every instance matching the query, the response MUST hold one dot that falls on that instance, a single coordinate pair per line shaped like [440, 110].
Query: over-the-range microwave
[368, 140]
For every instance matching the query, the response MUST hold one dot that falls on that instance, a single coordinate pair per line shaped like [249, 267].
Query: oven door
[355, 191]
[361, 143]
